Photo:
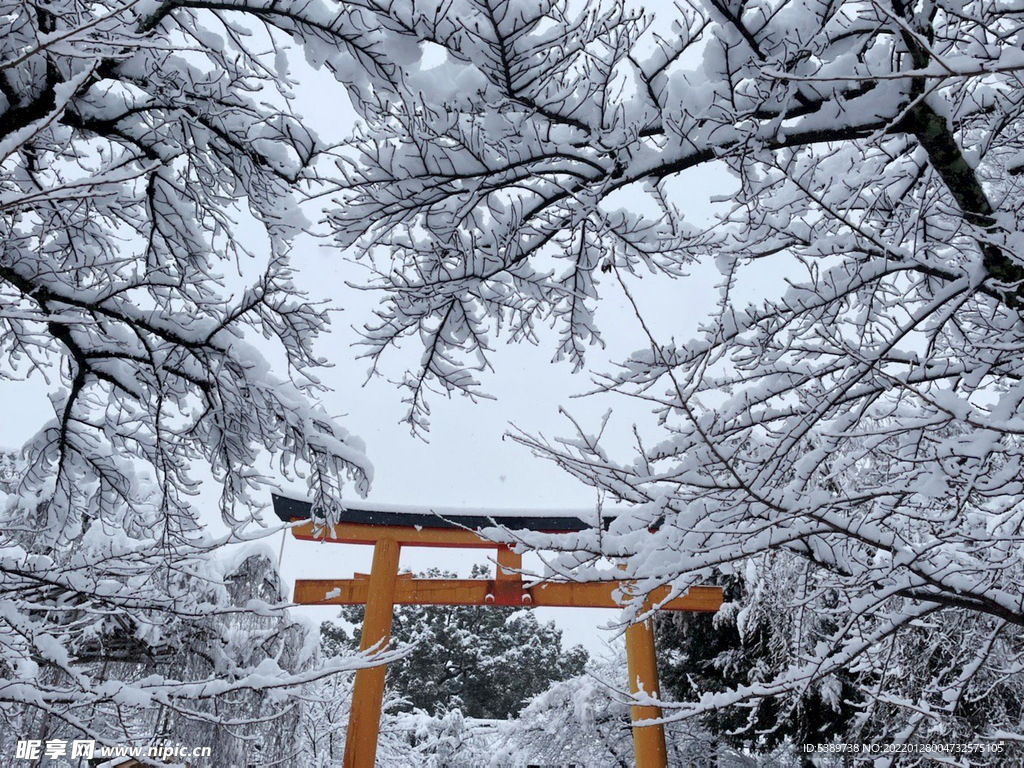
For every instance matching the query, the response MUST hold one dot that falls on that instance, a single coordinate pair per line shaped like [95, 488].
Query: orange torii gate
[384, 588]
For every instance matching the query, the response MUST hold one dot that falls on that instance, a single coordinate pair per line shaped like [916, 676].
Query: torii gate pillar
[368, 690]
[649, 748]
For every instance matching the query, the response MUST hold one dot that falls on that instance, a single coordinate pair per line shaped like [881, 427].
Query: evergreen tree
[487, 661]
[745, 644]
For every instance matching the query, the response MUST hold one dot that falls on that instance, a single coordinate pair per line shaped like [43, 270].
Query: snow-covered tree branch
[862, 415]
[150, 170]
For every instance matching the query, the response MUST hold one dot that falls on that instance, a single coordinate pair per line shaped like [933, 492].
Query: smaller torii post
[383, 588]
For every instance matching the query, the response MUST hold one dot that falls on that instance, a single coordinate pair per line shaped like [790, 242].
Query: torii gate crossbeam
[384, 588]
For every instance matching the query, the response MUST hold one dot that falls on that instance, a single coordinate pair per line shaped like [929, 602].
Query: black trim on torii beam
[298, 509]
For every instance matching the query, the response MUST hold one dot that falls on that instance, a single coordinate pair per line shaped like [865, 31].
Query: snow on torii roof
[364, 513]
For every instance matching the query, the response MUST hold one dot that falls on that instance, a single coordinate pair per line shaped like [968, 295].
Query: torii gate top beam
[370, 526]
[420, 529]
